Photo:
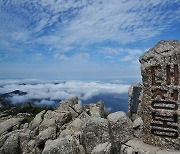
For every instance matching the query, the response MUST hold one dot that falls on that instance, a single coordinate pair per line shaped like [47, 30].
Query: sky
[81, 39]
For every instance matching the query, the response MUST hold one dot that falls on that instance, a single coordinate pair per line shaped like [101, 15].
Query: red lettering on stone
[172, 74]
[153, 71]
[159, 92]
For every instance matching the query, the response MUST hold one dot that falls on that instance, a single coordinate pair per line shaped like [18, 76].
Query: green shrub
[37, 131]
[29, 118]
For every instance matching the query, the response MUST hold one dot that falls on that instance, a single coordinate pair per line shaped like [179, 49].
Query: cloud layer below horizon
[50, 91]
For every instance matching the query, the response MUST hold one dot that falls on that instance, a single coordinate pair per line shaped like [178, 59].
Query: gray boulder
[104, 148]
[24, 138]
[49, 133]
[60, 118]
[104, 110]
[71, 105]
[120, 129]
[37, 120]
[67, 104]
[138, 127]
[97, 110]
[137, 122]
[10, 124]
[95, 131]
[66, 133]
[20, 133]
[12, 144]
[79, 108]
[47, 123]
[61, 146]
[76, 135]
[75, 125]
[84, 115]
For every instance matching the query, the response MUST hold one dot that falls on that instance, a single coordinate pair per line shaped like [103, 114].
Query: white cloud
[76, 57]
[110, 50]
[60, 56]
[85, 22]
[132, 55]
[114, 53]
[45, 103]
[62, 90]
[92, 33]
[14, 82]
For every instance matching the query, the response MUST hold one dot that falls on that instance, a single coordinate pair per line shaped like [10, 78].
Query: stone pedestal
[160, 68]
[136, 146]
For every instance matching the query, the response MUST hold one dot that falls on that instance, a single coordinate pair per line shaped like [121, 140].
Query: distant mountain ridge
[6, 102]
[4, 97]
[114, 102]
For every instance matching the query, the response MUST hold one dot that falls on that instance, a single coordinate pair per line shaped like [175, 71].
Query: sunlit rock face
[160, 68]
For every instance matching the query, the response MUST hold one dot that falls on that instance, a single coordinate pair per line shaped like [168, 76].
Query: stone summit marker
[160, 69]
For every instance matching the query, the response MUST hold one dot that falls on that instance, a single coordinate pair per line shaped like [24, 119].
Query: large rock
[46, 123]
[138, 127]
[104, 148]
[75, 125]
[120, 129]
[95, 131]
[67, 104]
[71, 105]
[160, 69]
[4, 137]
[61, 146]
[30, 148]
[49, 133]
[104, 111]
[84, 115]
[79, 108]
[97, 110]
[137, 122]
[24, 138]
[59, 118]
[37, 120]
[8, 125]
[12, 145]
[15, 142]
[75, 110]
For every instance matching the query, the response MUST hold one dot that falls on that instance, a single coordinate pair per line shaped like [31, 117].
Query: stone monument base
[137, 146]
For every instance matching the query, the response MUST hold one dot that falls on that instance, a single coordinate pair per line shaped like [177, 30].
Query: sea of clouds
[49, 91]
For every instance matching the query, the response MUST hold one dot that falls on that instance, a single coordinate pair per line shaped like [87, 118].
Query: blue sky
[75, 39]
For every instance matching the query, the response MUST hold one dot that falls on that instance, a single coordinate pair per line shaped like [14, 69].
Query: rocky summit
[151, 125]
[74, 128]
[71, 128]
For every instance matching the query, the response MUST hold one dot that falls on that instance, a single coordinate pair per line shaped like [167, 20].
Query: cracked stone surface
[160, 69]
